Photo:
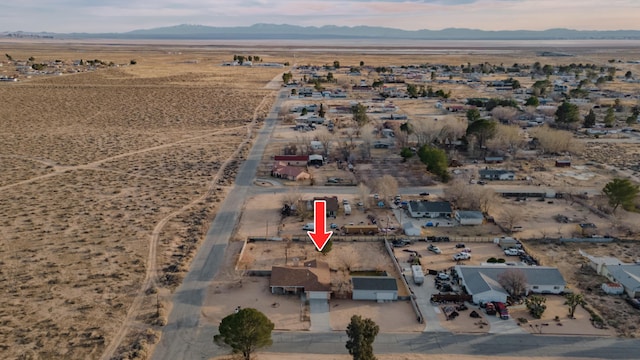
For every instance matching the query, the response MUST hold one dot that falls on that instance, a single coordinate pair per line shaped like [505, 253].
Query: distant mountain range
[293, 32]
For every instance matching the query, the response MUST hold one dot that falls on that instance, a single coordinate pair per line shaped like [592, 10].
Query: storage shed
[378, 288]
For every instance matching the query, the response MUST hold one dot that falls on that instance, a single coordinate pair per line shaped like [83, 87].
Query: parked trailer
[418, 275]
[347, 209]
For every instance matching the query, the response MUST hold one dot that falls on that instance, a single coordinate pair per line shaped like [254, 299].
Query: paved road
[183, 325]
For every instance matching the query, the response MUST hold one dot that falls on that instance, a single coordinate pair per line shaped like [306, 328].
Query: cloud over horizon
[123, 16]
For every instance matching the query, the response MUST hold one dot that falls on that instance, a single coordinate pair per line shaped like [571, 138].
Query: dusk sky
[126, 15]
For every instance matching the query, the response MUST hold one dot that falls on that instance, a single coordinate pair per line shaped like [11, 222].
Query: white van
[308, 227]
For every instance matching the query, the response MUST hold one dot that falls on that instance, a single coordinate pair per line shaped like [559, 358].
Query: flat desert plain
[108, 179]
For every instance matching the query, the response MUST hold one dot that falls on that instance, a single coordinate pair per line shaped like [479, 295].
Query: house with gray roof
[483, 282]
[378, 288]
[429, 209]
[627, 275]
[496, 174]
[466, 217]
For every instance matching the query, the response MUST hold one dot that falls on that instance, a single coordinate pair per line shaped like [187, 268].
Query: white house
[496, 174]
[429, 209]
[469, 217]
[378, 288]
[483, 282]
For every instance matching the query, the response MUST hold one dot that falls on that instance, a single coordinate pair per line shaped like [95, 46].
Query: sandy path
[151, 274]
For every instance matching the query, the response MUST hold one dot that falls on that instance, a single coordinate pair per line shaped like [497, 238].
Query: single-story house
[483, 282]
[627, 275]
[496, 174]
[332, 205]
[598, 263]
[292, 173]
[465, 217]
[429, 209]
[378, 288]
[316, 160]
[295, 160]
[313, 279]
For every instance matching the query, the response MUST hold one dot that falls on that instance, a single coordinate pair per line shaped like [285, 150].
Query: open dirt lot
[397, 316]
[108, 178]
[548, 325]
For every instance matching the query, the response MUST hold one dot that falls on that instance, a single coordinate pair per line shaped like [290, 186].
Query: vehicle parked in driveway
[308, 227]
[502, 310]
[512, 252]
[434, 249]
[461, 256]
[443, 276]
[490, 309]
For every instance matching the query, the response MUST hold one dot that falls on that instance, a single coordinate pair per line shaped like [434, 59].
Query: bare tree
[363, 193]
[511, 217]
[556, 141]
[292, 197]
[386, 186]
[508, 138]
[303, 144]
[325, 137]
[470, 197]
[367, 136]
[514, 281]
[504, 114]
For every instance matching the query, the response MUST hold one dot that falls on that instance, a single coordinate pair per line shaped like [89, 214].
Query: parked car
[460, 245]
[461, 256]
[501, 309]
[424, 194]
[443, 276]
[345, 202]
[634, 302]
[434, 249]
[466, 250]
[308, 227]
[490, 309]
[512, 252]
[333, 226]
[400, 243]
[442, 239]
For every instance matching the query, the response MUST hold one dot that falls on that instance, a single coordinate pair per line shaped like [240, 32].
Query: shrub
[492, 260]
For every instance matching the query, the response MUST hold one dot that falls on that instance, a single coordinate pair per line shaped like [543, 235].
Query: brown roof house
[313, 279]
[294, 173]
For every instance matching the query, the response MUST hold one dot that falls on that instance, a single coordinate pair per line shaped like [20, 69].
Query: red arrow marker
[319, 235]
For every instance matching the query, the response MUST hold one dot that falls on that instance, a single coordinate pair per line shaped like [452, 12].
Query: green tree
[620, 192]
[336, 64]
[412, 90]
[473, 115]
[590, 119]
[567, 113]
[131, 62]
[286, 77]
[362, 333]
[628, 75]
[532, 101]
[483, 130]
[9, 57]
[245, 331]
[515, 84]
[330, 77]
[610, 118]
[406, 153]
[321, 112]
[361, 63]
[327, 247]
[436, 161]
[535, 305]
[433, 76]
[541, 87]
[31, 58]
[572, 301]
[359, 112]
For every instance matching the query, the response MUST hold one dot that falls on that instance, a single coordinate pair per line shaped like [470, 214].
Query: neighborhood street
[184, 337]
